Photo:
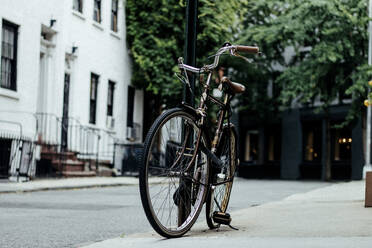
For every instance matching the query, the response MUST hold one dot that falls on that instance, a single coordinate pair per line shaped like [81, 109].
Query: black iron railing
[54, 134]
[16, 152]
[70, 135]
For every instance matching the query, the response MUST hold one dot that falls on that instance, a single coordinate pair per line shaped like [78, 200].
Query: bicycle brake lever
[234, 53]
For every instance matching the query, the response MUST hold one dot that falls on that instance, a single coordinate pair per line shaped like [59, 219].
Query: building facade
[294, 145]
[65, 93]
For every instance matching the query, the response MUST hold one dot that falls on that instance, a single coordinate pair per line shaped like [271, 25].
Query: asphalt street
[71, 218]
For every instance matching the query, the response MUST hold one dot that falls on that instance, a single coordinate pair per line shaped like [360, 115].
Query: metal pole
[184, 208]
[190, 46]
[367, 166]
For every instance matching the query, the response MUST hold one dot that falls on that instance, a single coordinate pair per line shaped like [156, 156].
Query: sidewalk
[333, 216]
[65, 183]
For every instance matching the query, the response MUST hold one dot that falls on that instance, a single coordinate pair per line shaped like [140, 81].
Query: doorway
[65, 121]
[5, 147]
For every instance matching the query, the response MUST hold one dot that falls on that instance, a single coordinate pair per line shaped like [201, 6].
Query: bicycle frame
[224, 106]
[224, 114]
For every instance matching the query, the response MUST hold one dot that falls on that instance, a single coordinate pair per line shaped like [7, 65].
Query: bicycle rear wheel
[173, 174]
[219, 196]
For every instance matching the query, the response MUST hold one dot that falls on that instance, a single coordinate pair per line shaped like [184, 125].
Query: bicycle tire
[156, 147]
[219, 197]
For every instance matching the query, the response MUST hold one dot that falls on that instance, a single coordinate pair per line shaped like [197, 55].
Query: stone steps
[78, 173]
[68, 165]
[51, 155]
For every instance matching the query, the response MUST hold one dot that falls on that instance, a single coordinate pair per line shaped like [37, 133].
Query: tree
[155, 35]
[329, 43]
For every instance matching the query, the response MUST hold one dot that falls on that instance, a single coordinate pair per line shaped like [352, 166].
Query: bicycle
[181, 169]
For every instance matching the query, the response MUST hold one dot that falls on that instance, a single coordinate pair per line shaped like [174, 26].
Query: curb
[65, 184]
[65, 188]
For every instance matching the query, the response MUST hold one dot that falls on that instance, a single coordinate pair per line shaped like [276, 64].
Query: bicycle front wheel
[219, 195]
[173, 174]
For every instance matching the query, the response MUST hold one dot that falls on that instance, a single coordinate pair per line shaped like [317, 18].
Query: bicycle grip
[248, 49]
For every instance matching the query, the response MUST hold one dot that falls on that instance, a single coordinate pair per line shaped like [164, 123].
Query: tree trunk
[151, 110]
[328, 163]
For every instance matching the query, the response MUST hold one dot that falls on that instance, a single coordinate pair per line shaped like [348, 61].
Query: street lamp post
[188, 97]
[190, 46]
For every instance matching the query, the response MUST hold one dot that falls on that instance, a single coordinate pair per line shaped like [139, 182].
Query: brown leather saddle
[233, 87]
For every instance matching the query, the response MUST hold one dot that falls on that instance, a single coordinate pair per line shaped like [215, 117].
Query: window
[114, 15]
[251, 146]
[341, 139]
[9, 56]
[110, 98]
[78, 5]
[93, 98]
[97, 11]
[312, 141]
[274, 144]
[131, 93]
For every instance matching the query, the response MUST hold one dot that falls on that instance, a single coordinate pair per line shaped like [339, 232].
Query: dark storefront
[294, 147]
[260, 148]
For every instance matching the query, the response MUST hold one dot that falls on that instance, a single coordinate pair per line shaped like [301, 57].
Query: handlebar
[232, 48]
[248, 49]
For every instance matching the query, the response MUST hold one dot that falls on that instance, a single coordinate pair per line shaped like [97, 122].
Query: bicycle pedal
[221, 218]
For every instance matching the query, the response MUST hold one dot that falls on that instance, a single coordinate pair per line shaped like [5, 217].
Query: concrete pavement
[332, 216]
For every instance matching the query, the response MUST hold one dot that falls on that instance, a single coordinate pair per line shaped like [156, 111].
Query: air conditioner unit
[133, 133]
[110, 122]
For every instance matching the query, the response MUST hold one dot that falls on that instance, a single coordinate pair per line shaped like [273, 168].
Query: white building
[65, 84]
